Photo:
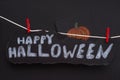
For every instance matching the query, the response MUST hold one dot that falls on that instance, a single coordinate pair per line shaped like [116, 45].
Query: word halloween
[45, 47]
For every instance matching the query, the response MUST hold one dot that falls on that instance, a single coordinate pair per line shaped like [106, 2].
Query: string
[62, 33]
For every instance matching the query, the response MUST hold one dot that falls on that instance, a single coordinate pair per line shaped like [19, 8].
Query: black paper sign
[49, 47]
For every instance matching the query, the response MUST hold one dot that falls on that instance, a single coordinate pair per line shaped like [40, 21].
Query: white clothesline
[62, 33]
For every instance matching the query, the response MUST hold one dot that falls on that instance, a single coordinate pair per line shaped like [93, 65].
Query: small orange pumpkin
[80, 30]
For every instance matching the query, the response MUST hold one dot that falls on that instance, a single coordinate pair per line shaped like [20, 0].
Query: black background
[97, 15]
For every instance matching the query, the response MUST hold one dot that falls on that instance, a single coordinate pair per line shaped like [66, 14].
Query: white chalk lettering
[40, 53]
[50, 38]
[22, 41]
[29, 53]
[53, 50]
[69, 53]
[21, 52]
[103, 54]
[12, 52]
[90, 51]
[36, 38]
[56, 50]
[29, 40]
[43, 38]
[80, 51]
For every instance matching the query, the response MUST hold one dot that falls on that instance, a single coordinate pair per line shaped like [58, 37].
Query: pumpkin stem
[76, 25]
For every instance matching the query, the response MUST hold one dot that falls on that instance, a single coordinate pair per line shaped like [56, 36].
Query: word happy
[25, 47]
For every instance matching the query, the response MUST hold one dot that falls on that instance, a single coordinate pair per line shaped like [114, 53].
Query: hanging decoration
[43, 46]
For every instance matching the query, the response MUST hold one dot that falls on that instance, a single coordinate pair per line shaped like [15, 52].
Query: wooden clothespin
[28, 24]
[107, 34]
